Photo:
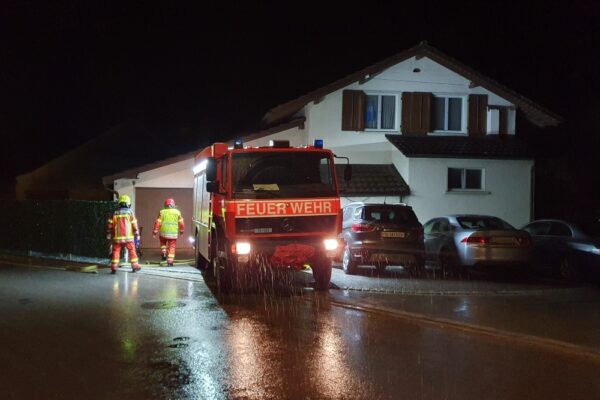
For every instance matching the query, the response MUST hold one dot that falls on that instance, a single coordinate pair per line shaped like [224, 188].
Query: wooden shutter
[478, 114]
[416, 113]
[353, 110]
[503, 121]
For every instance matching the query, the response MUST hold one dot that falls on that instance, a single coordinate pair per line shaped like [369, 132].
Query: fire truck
[274, 207]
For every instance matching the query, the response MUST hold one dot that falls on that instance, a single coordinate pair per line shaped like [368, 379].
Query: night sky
[70, 70]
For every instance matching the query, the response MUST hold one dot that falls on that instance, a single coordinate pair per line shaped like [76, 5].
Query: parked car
[459, 242]
[381, 235]
[563, 248]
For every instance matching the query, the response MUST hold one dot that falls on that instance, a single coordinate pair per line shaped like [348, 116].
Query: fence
[56, 227]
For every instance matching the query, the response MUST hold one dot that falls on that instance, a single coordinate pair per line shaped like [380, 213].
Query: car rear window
[399, 215]
[477, 222]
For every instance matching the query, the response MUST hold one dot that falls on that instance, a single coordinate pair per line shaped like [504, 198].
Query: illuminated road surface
[68, 335]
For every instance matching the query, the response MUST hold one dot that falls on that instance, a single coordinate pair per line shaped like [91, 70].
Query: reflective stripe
[134, 260]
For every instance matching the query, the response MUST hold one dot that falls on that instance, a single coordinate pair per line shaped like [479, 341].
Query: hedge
[56, 226]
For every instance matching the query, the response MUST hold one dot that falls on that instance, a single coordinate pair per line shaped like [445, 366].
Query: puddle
[178, 345]
[162, 305]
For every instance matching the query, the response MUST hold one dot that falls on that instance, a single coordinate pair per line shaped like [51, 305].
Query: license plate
[504, 240]
[392, 234]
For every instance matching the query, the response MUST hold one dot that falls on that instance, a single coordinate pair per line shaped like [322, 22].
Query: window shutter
[478, 114]
[416, 113]
[353, 110]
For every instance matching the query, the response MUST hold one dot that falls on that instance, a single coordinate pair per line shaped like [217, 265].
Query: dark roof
[534, 112]
[372, 180]
[492, 146]
[121, 148]
[133, 172]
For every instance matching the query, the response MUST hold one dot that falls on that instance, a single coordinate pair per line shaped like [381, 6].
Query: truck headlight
[242, 248]
[330, 244]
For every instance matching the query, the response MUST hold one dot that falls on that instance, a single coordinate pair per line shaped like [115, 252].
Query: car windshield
[282, 174]
[479, 222]
[399, 215]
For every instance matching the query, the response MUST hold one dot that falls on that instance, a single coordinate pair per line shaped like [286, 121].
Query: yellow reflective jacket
[169, 222]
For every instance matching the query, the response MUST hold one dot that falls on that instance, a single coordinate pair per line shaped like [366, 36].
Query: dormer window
[380, 112]
[447, 114]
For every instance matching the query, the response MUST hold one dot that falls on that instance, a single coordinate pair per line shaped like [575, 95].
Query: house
[426, 130]
[419, 128]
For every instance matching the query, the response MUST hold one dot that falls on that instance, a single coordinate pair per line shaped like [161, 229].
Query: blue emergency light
[238, 143]
[318, 143]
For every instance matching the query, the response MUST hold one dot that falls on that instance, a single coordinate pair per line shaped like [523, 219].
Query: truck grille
[271, 225]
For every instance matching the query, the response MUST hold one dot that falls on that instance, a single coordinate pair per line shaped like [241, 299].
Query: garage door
[149, 201]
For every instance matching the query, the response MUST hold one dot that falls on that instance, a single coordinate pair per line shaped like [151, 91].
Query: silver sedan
[459, 242]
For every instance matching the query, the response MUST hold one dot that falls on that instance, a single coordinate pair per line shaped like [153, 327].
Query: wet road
[96, 336]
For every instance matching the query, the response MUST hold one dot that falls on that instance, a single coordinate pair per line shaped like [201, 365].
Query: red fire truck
[266, 207]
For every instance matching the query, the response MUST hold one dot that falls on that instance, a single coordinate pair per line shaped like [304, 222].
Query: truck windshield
[282, 174]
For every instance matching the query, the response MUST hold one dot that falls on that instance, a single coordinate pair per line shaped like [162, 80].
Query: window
[272, 174]
[447, 114]
[559, 229]
[483, 222]
[465, 179]
[380, 112]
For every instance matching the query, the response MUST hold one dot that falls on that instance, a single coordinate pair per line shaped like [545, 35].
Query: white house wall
[176, 175]
[323, 119]
[507, 192]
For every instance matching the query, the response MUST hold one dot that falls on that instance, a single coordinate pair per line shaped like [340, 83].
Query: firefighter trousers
[167, 247]
[116, 255]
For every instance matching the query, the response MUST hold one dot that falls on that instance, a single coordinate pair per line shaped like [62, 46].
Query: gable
[534, 112]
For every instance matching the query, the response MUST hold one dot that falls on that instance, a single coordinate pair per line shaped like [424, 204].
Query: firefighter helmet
[124, 199]
[169, 203]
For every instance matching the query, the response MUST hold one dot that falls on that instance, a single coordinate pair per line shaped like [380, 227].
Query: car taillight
[482, 240]
[524, 241]
[362, 228]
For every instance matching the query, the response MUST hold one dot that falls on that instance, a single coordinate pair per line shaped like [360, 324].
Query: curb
[521, 338]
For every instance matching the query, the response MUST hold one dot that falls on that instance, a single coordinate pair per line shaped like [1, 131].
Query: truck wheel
[322, 274]
[201, 262]
[223, 275]
[348, 264]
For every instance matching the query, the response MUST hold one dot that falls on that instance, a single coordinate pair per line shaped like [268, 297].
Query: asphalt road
[68, 335]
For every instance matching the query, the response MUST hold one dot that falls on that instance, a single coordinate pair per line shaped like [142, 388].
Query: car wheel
[448, 263]
[569, 271]
[322, 274]
[348, 264]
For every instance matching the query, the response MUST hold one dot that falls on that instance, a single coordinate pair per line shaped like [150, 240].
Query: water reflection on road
[142, 337]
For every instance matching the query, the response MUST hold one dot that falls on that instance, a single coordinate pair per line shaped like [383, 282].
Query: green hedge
[56, 226]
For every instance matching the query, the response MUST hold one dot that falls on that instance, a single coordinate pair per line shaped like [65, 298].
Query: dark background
[69, 70]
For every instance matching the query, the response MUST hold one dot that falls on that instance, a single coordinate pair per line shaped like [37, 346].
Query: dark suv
[382, 235]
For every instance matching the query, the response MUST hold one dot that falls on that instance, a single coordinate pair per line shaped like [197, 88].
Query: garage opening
[149, 201]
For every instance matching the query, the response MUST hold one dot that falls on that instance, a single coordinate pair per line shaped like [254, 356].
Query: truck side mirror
[212, 187]
[348, 173]
[211, 169]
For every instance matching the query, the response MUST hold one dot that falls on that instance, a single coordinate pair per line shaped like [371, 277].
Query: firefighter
[123, 230]
[169, 222]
